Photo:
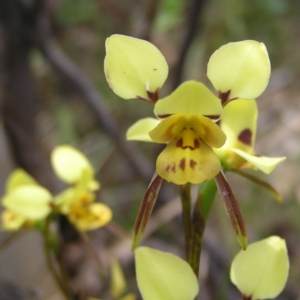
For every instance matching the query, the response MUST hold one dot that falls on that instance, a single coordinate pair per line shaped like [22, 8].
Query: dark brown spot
[168, 168]
[224, 97]
[179, 142]
[212, 117]
[245, 137]
[182, 164]
[192, 164]
[196, 143]
[164, 116]
[174, 169]
[153, 96]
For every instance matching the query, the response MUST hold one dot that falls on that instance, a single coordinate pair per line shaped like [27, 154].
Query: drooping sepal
[270, 189]
[145, 209]
[233, 209]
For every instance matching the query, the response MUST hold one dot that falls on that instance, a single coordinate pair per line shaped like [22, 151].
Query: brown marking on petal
[193, 164]
[153, 96]
[245, 137]
[164, 116]
[174, 168]
[196, 143]
[182, 164]
[212, 117]
[224, 97]
[179, 142]
[168, 168]
[144, 99]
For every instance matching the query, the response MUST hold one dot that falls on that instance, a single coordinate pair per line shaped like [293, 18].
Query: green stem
[206, 196]
[185, 195]
[207, 192]
[198, 225]
[50, 265]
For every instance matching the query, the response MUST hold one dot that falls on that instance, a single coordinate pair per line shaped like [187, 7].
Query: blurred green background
[53, 107]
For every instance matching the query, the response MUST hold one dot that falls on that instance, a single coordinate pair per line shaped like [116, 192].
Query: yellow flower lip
[188, 156]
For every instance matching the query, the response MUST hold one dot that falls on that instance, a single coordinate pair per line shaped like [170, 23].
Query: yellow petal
[139, 131]
[92, 217]
[11, 221]
[190, 98]
[202, 127]
[262, 270]
[31, 202]
[263, 163]
[239, 124]
[69, 163]
[133, 67]
[180, 165]
[243, 68]
[18, 178]
[162, 276]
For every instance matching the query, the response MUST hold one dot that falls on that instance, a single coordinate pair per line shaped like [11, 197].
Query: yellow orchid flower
[188, 114]
[78, 201]
[26, 202]
[189, 130]
[238, 122]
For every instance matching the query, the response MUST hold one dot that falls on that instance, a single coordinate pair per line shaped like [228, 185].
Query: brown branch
[91, 97]
[193, 16]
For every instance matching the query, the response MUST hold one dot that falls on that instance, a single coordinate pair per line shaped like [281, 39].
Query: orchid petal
[263, 163]
[11, 221]
[93, 216]
[261, 271]
[239, 124]
[69, 164]
[180, 165]
[176, 279]
[139, 131]
[18, 178]
[134, 68]
[32, 202]
[190, 98]
[175, 125]
[241, 68]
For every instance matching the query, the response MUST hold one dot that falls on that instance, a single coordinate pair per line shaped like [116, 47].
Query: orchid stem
[206, 196]
[50, 265]
[185, 195]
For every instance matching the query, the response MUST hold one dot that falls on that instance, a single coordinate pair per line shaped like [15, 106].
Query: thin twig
[50, 265]
[193, 16]
[90, 96]
[10, 240]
